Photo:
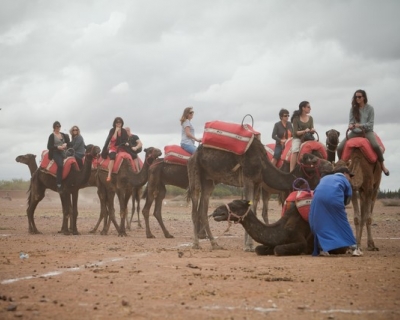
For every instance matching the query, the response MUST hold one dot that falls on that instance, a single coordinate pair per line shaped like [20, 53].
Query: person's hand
[351, 126]
[134, 148]
[307, 130]
[117, 129]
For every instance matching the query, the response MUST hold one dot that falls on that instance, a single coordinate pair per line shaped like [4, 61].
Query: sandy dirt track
[102, 277]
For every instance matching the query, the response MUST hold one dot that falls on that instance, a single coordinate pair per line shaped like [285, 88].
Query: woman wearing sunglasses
[116, 140]
[187, 135]
[78, 144]
[302, 123]
[282, 131]
[57, 144]
[362, 119]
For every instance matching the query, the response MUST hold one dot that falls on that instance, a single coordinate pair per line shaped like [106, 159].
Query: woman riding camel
[116, 140]
[362, 119]
[302, 124]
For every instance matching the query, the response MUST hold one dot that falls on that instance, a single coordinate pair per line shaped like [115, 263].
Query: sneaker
[357, 253]
[324, 253]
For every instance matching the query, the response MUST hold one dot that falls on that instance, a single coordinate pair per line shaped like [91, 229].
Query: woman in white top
[187, 138]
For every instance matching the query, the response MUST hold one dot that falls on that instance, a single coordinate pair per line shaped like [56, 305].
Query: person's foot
[357, 252]
[324, 253]
[108, 179]
[386, 172]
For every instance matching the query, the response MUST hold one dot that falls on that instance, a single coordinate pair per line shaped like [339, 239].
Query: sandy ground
[102, 277]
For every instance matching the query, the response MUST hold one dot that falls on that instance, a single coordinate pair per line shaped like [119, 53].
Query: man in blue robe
[328, 217]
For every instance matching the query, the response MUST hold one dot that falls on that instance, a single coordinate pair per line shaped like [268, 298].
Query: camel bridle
[312, 166]
[232, 214]
[329, 144]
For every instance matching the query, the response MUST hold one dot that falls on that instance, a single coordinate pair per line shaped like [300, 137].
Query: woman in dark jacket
[282, 131]
[57, 144]
[117, 138]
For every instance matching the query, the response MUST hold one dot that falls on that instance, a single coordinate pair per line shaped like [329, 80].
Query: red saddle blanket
[364, 145]
[50, 167]
[302, 200]
[310, 146]
[136, 164]
[231, 137]
[286, 152]
[175, 154]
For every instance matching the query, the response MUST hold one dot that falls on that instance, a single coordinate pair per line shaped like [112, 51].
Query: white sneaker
[357, 253]
[324, 253]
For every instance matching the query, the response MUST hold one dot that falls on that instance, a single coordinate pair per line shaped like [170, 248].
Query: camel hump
[119, 158]
[286, 152]
[312, 147]
[50, 167]
[231, 137]
[302, 200]
[176, 155]
[364, 146]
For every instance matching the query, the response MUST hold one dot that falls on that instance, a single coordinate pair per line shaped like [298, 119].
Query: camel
[40, 181]
[290, 235]
[332, 142]
[366, 180]
[121, 184]
[30, 160]
[208, 167]
[161, 174]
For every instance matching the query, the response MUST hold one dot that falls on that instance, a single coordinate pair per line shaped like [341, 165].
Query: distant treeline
[220, 190]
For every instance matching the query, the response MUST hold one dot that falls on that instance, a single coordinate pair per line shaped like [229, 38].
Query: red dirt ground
[101, 277]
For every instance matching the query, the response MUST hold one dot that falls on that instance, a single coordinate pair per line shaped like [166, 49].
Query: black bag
[308, 136]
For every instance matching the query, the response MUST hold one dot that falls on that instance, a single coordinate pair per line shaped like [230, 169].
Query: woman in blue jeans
[187, 137]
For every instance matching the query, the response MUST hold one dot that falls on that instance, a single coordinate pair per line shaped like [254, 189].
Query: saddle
[50, 167]
[286, 152]
[310, 147]
[136, 164]
[301, 198]
[365, 147]
[231, 137]
[176, 155]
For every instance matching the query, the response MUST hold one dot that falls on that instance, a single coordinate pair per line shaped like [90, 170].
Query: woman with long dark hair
[302, 124]
[361, 119]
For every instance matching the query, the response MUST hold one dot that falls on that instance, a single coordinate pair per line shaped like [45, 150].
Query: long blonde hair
[72, 130]
[185, 114]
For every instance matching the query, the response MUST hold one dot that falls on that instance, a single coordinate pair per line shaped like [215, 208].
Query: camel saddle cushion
[121, 156]
[302, 200]
[231, 137]
[50, 167]
[310, 147]
[175, 154]
[365, 147]
[286, 152]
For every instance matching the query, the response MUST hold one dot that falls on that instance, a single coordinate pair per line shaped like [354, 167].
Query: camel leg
[123, 202]
[203, 208]
[157, 211]
[146, 213]
[357, 218]
[66, 207]
[370, 240]
[75, 195]
[34, 200]
[265, 199]
[135, 199]
[263, 250]
[291, 249]
[249, 191]
[103, 209]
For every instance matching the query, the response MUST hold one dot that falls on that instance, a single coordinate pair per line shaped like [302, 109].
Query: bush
[391, 202]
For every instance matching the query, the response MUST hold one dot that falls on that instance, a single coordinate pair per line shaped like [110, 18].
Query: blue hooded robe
[328, 218]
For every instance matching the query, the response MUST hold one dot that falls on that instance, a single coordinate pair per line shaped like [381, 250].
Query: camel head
[152, 154]
[93, 150]
[26, 158]
[315, 166]
[332, 139]
[235, 211]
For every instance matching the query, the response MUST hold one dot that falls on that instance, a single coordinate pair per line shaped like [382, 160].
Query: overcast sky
[85, 62]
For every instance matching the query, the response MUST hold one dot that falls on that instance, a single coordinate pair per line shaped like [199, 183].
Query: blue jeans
[59, 160]
[188, 147]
